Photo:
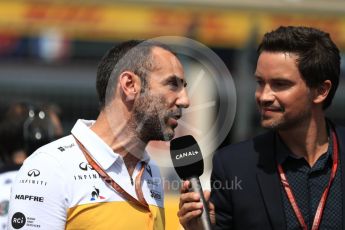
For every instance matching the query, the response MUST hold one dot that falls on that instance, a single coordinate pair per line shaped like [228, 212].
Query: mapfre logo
[29, 198]
[18, 220]
[34, 173]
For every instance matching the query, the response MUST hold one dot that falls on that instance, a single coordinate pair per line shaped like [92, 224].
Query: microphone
[189, 165]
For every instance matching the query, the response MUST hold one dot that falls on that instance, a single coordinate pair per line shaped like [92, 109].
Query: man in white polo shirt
[100, 176]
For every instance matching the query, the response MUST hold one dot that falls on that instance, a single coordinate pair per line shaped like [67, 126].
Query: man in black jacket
[292, 176]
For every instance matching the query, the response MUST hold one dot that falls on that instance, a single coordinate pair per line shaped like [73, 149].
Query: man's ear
[129, 84]
[322, 92]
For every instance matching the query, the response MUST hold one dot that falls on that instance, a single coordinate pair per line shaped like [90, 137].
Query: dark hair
[133, 55]
[318, 57]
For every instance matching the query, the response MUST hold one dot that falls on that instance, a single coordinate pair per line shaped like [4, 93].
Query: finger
[185, 186]
[188, 197]
[189, 207]
[212, 212]
[184, 219]
[189, 216]
[211, 205]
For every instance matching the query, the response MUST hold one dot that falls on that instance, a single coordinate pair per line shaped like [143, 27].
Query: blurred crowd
[24, 127]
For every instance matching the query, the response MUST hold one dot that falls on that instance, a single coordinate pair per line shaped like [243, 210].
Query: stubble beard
[149, 120]
[284, 123]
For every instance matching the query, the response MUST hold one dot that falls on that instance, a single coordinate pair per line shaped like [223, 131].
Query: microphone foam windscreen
[186, 157]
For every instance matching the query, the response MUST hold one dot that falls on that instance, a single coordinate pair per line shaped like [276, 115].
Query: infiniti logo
[85, 166]
[34, 172]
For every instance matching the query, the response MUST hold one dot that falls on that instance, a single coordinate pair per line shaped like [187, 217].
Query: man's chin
[276, 125]
[269, 124]
[166, 136]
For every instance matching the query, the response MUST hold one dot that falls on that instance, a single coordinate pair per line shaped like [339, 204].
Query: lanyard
[321, 206]
[141, 202]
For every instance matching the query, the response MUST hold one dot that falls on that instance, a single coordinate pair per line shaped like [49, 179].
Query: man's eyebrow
[177, 79]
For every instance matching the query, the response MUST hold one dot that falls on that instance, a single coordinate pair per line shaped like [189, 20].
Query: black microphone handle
[205, 218]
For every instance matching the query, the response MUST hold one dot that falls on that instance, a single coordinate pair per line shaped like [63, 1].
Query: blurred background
[49, 50]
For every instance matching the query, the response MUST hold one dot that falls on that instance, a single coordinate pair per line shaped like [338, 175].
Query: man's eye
[173, 84]
[281, 84]
[260, 82]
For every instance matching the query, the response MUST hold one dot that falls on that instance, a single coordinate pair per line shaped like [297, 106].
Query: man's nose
[183, 99]
[265, 95]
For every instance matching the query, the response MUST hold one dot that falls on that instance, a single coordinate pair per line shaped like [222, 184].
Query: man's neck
[121, 141]
[309, 141]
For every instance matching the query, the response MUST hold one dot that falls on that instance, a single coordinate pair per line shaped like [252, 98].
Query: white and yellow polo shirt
[57, 189]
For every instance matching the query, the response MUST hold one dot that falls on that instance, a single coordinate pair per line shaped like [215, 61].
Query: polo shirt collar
[97, 148]
[283, 151]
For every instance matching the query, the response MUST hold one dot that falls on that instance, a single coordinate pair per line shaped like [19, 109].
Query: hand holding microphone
[189, 165]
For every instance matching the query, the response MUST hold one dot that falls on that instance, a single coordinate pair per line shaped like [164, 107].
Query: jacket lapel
[269, 182]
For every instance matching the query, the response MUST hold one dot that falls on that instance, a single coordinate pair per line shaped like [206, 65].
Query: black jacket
[246, 186]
